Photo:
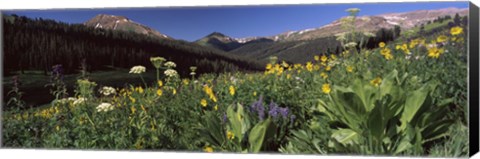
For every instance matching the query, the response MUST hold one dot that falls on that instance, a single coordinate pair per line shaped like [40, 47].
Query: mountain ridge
[116, 22]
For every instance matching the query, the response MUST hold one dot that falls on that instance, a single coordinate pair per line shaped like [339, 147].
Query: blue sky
[192, 23]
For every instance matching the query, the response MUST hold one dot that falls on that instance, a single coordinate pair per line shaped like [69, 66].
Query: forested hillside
[38, 44]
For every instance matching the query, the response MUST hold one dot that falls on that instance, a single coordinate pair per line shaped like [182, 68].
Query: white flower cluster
[137, 69]
[79, 101]
[351, 44]
[74, 101]
[104, 107]
[65, 100]
[171, 73]
[170, 64]
[157, 61]
[106, 91]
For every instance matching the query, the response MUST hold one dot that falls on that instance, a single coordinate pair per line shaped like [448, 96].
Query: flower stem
[143, 80]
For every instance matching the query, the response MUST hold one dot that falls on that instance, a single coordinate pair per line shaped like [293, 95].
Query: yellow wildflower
[160, 83]
[324, 75]
[326, 88]
[255, 92]
[376, 82]
[232, 90]
[333, 57]
[434, 52]
[140, 89]
[398, 47]
[324, 58]
[269, 66]
[159, 92]
[456, 30]
[381, 44]
[230, 135]
[208, 149]
[185, 81]
[386, 52]
[309, 66]
[215, 107]
[132, 99]
[133, 109]
[316, 58]
[442, 38]
[203, 102]
[328, 68]
[349, 69]
[174, 91]
[57, 128]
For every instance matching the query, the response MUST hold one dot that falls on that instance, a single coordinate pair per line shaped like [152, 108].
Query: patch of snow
[393, 23]
[306, 30]
[98, 25]
[116, 24]
[394, 18]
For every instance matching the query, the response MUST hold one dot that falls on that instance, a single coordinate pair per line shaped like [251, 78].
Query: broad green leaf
[257, 135]
[404, 145]
[235, 121]
[346, 136]
[376, 123]
[413, 103]
[387, 83]
[364, 91]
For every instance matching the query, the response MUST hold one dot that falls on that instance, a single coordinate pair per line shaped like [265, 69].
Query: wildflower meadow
[406, 97]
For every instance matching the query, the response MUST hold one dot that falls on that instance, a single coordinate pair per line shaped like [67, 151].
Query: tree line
[38, 44]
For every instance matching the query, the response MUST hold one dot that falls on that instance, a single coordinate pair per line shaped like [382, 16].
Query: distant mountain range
[122, 23]
[284, 43]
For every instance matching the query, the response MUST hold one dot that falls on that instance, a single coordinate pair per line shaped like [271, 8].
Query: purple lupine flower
[274, 110]
[224, 119]
[284, 112]
[259, 108]
[261, 112]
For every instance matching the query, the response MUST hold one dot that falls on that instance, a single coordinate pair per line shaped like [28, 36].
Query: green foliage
[384, 120]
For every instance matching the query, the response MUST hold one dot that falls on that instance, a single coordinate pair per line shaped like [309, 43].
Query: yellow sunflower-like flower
[324, 75]
[309, 66]
[208, 149]
[349, 69]
[203, 102]
[434, 52]
[442, 38]
[324, 58]
[326, 88]
[159, 92]
[232, 90]
[381, 44]
[328, 68]
[456, 30]
[230, 135]
[376, 82]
